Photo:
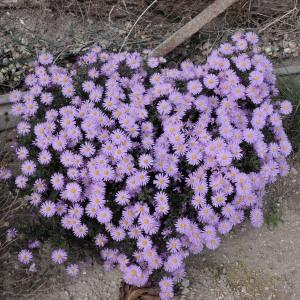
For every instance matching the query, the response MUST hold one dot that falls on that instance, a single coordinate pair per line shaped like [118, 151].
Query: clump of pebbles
[281, 47]
[14, 62]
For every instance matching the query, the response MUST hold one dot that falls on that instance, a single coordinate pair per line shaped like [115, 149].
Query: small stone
[268, 50]
[206, 45]
[287, 50]
[5, 61]
[32, 268]
[285, 44]
[294, 171]
[292, 45]
[185, 283]
[185, 291]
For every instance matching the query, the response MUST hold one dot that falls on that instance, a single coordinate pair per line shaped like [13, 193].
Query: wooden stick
[192, 27]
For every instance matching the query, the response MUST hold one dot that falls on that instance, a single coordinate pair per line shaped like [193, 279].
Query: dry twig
[137, 20]
[278, 19]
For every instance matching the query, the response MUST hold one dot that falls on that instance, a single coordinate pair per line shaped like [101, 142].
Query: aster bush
[152, 163]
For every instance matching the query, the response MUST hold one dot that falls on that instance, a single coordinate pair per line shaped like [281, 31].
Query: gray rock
[185, 291]
[292, 45]
[185, 283]
[294, 171]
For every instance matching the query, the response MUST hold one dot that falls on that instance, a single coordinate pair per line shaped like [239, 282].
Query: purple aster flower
[5, 173]
[104, 215]
[122, 197]
[34, 244]
[44, 157]
[21, 181]
[23, 128]
[286, 107]
[48, 209]
[147, 223]
[118, 234]
[242, 62]
[256, 217]
[161, 181]
[11, 233]
[173, 262]
[224, 158]
[72, 191]
[15, 96]
[87, 149]
[256, 78]
[144, 242]
[224, 227]
[45, 58]
[241, 44]
[22, 153]
[182, 225]
[211, 81]
[173, 245]
[251, 37]
[166, 284]
[194, 87]
[80, 230]
[57, 181]
[46, 98]
[168, 295]
[153, 62]
[205, 213]
[59, 256]
[219, 199]
[68, 90]
[213, 243]
[25, 256]
[226, 49]
[100, 240]
[72, 270]
[28, 167]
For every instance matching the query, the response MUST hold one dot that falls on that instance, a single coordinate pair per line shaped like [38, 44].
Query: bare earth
[250, 264]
